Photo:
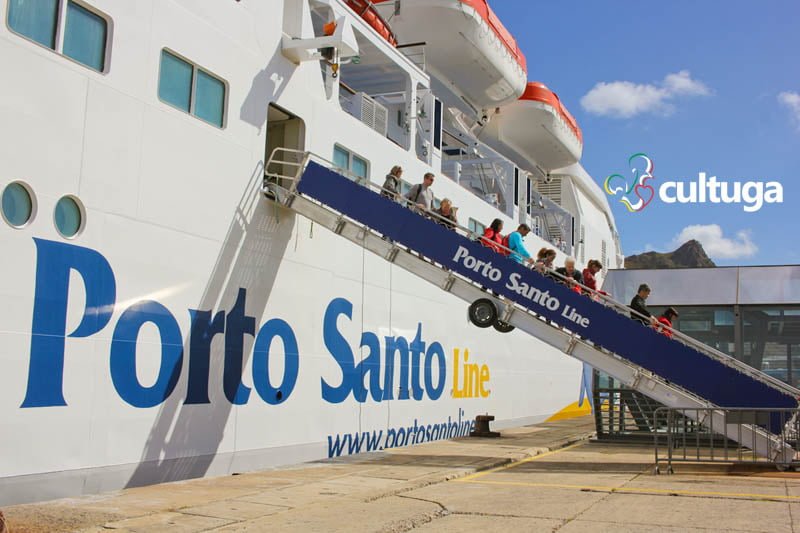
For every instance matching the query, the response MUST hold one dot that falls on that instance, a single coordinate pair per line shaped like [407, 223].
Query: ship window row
[476, 227]
[190, 88]
[355, 167]
[66, 27]
[81, 33]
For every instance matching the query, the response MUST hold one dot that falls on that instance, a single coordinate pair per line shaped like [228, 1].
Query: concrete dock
[546, 477]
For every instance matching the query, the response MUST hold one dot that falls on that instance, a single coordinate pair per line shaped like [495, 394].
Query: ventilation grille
[370, 112]
[583, 244]
[604, 254]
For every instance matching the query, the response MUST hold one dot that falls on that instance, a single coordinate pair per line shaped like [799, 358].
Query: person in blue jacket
[519, 253]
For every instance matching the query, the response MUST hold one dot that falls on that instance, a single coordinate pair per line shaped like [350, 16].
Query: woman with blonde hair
[391, 186]
[446, 214]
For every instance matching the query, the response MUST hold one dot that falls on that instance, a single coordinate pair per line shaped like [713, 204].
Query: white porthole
[18, 204]
[69, 217]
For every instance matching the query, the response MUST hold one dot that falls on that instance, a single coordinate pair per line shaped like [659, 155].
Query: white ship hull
[202, 265]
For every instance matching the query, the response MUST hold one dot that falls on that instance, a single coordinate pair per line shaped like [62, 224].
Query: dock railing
[696, 435]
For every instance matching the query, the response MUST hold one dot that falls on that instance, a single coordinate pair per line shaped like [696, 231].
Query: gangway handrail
[599, 297]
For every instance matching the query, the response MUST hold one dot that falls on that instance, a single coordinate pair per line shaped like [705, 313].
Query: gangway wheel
[503, 327]
[482, 313]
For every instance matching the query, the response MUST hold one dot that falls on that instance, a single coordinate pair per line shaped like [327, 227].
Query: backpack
[504, 250]
[418, 188]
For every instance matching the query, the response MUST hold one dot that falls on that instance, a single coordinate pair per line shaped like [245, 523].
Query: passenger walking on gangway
[518, 251]
[568, 271]
[391, 186]
[446, 214]
[639, 306]
[544, 260]
[492, 238]
[421, 195]
[592, 268]
[666, 319]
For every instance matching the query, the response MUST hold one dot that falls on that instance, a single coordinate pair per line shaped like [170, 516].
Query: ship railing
[483, 177]
[553, 217]
[345, 93]
[298, 160]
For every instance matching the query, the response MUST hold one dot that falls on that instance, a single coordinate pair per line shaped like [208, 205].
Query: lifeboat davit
[366, 10]
[538, 127]
[467, 47]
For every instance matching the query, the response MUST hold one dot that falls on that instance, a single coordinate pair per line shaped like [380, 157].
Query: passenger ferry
[164, 319]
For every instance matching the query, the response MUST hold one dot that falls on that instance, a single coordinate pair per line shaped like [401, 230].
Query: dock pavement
[544, 477]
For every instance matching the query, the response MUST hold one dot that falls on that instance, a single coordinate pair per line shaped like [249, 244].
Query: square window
[35, 19]
[359, 167]
[191, 89]
[85, 33]
[476, 227]
[354, 167]
[85, 37]
[209, 98]
[175, 81]
[341, 158]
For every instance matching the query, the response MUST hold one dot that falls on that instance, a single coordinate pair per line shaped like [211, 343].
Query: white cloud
[716, 245]
[792, 101]
[681, 83]
[625, 99]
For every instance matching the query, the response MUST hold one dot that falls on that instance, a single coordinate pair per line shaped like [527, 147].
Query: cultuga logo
[644, 194]
[636, 194]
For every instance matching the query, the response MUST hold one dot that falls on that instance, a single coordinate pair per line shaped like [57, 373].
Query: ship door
[286, 134]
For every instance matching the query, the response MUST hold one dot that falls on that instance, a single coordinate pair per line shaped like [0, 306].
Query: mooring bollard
[482, 427]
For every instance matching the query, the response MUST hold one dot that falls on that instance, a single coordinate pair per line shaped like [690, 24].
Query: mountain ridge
[688, 255]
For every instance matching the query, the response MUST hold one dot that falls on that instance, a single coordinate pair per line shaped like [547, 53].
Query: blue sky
[730, 108]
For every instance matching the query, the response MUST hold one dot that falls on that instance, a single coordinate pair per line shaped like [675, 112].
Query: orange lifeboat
[467, 48]
[538, 127]
[366, 10]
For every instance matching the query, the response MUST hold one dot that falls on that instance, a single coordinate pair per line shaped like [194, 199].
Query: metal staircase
[623, 414]
[598, 331]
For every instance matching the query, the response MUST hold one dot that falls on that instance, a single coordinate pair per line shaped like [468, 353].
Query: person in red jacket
[593, 267]
[666, 319]
[492, 237]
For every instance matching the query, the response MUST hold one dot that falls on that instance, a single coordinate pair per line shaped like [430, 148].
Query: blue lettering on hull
[403, 370]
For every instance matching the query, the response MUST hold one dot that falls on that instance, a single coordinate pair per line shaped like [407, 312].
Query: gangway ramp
[677, 373]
